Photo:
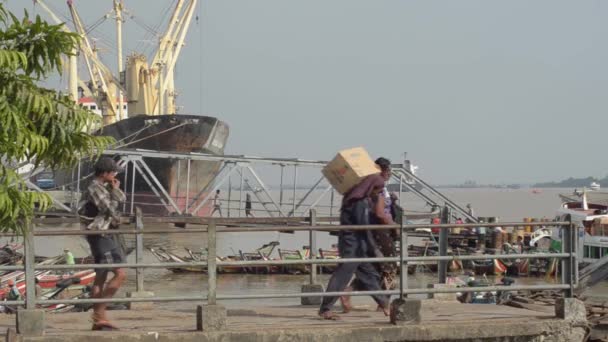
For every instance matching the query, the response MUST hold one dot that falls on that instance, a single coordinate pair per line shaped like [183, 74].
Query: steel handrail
[213, 264]
[409, 227]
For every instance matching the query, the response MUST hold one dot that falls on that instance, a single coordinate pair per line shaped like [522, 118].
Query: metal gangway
[240, 175]
[433, 197]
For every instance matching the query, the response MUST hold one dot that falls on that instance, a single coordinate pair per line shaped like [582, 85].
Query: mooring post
[312, 245]
[211, 317]
[443, 245]
[30, 321]
[140, 292]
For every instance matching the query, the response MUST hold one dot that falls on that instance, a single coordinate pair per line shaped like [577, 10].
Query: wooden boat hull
[50, 281]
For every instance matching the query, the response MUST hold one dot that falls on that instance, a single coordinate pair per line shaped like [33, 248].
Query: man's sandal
[329, 315]
[104, 326]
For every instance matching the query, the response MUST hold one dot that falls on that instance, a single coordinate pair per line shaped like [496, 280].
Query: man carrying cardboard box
[355, 210]
[348, 168]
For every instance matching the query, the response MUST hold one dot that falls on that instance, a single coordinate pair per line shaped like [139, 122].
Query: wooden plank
[523, 299]
[532, 307]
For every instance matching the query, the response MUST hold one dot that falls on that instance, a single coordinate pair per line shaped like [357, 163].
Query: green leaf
[36, 124]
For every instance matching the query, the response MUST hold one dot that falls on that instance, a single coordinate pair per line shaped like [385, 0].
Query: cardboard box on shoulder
[348, 168]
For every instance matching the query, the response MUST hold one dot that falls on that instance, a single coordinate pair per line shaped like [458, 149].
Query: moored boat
[85, 277]
[588, 212]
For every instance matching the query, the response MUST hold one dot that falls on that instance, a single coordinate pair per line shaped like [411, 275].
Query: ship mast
[174, 54]
[118, 13]
[72, 60]
[104, 84]
[150, 87]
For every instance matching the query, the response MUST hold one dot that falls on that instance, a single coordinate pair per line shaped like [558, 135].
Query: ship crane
[150, 86]
[103, 85]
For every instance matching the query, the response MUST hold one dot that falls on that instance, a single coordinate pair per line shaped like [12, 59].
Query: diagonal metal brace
[157, 183]
[293, 212]
[265, 189]
[55, 201]
[231, 168]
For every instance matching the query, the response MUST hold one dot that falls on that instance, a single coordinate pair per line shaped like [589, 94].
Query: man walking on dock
[248, 212]
[100, 213]
[356, 206]
[217, 203]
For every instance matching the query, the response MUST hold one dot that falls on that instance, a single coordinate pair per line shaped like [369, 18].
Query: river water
[507, 204]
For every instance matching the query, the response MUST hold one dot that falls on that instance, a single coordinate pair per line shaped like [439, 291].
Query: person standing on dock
[69, 259]
[13, 292]
[470, 210]
[520, 244]
[356, 207]
[248, 212]
[99, 212]
[217, 203]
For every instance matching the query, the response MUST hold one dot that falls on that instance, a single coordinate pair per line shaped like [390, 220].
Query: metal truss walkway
[269, 201]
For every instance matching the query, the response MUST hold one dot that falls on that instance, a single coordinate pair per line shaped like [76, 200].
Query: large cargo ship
[171, 133]
[138, 108]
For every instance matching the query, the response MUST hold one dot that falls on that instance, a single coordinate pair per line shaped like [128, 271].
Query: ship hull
[168, 134]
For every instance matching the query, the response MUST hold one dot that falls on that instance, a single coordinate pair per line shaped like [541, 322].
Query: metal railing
[567, 255]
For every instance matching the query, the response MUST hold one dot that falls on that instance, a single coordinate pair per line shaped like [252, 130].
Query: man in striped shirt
[100, 212]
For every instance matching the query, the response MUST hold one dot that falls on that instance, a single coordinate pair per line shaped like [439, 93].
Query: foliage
[37, 125]
[573, 183]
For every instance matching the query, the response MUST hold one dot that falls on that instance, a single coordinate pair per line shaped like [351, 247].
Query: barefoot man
[99, 212]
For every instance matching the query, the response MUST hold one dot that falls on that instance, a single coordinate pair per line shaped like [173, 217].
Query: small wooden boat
[286, 254]
[262, 253]
[50, 281]
[165, 256]
[329, 254]
[483, 267]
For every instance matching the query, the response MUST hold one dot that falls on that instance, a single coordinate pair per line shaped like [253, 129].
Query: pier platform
[441, 321]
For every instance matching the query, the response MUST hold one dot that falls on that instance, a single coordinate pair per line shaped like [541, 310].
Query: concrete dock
[441, 321]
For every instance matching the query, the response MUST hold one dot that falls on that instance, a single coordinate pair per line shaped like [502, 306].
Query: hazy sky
[496, 91]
